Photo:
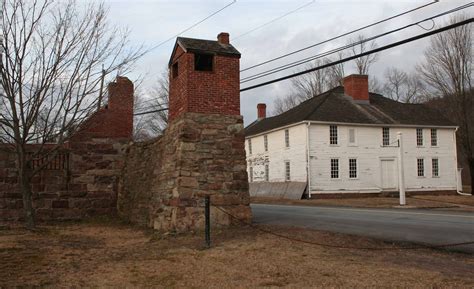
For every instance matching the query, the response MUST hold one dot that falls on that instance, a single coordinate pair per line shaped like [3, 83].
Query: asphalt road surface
[420, 226]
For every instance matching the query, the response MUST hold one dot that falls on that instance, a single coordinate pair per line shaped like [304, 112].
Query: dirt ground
[455, 202]
[110, 254]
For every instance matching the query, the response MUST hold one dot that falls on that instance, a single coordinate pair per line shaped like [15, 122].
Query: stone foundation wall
[164, 182]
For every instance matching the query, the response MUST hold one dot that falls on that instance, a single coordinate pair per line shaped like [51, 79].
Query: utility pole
[401, 176]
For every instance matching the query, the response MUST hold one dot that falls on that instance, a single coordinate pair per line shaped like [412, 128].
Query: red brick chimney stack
[223, 38]
[357, 86]
[261, 110]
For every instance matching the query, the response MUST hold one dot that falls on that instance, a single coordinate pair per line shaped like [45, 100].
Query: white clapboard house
[345, 141]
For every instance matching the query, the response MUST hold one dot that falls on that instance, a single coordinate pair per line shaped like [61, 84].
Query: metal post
[401, 176]
[207, 213]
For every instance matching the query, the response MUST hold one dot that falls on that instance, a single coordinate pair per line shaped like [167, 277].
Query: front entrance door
[389, 174]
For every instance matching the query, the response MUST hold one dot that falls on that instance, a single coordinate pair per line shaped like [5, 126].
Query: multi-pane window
[265, 142]
[352, 168]
[434, 137]
[435, 167]
[267, 173]
[334, 168]
[352, 136]
[250, 146]
[251, 174]
[385, 136]
[287, 171]
[419, 137]
[287, 138]
[333, 134]
[420, 166]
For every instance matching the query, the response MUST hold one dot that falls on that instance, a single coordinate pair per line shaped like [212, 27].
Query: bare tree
[363, 64]
[401, 86]
[50, 71]
[447, 72]
[155, 101]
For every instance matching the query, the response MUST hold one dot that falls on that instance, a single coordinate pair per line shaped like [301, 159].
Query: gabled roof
[205, 46]
[335, 106]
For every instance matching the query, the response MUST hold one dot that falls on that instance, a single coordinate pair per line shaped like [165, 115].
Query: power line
[191, 27]
[274, 20]
[151, 111]
[339, 36]
[341, 48]
[464, 22]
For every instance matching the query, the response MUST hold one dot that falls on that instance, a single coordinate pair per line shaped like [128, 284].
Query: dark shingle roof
[207, 46]
[335, 106]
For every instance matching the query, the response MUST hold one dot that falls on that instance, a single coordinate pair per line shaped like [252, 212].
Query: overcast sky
[153, 21]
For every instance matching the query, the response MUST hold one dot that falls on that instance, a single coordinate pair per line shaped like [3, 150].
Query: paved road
[410, 225]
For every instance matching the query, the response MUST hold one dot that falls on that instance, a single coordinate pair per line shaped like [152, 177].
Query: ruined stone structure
[83, 178]
[201, 152]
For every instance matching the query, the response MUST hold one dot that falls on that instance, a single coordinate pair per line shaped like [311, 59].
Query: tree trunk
[471, 172]
[26, 193]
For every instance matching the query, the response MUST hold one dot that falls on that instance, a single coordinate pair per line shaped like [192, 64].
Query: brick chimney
[261, 110]
[223, 38]
[357, 86]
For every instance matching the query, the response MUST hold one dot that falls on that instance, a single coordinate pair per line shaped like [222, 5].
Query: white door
[389, 174]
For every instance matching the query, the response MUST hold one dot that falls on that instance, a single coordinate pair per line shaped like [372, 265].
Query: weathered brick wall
[87, 185]
[166, 180]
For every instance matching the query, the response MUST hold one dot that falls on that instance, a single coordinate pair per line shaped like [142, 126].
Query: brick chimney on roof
[261, 110]
[357, 87]
[223, 38]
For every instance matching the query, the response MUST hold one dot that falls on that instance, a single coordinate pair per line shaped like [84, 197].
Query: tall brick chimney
[204, 77]
[261, 110]
[357, 86]
[223, 38]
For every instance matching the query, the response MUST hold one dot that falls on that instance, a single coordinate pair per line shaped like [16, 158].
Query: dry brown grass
[114, 255]
[465, 203]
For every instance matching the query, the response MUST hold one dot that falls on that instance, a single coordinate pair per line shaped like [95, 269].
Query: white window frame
[420, 167]
[267, 172]
[249, 143]
[287, 138]
[287, 171]
[434, 137]
[355, 168]
[333, 135]
[435, 168]
[354, 141]
[385, 136]
[337, 168]
[251, 174]
[419, 137]
[265, 142]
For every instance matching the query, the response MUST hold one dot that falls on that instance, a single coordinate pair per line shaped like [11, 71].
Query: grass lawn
[110, 254]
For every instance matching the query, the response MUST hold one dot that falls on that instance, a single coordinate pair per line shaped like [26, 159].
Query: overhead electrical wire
[273, 20]
[339, 36]
[191, 27]
[341, 48]
[385, 47]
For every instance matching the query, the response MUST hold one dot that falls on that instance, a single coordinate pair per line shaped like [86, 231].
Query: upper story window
[174, 70]
[334, 168]
[287, 138]
[420, 165]
[267, 172]
[203, 62]
[333, 134]
[287, 171]
[250, 146]
[352, 137]
[385, 136]
[434, 137]
[265, 142]
[419, 137]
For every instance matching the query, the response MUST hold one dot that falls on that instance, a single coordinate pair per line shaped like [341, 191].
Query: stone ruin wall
[164, 181]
